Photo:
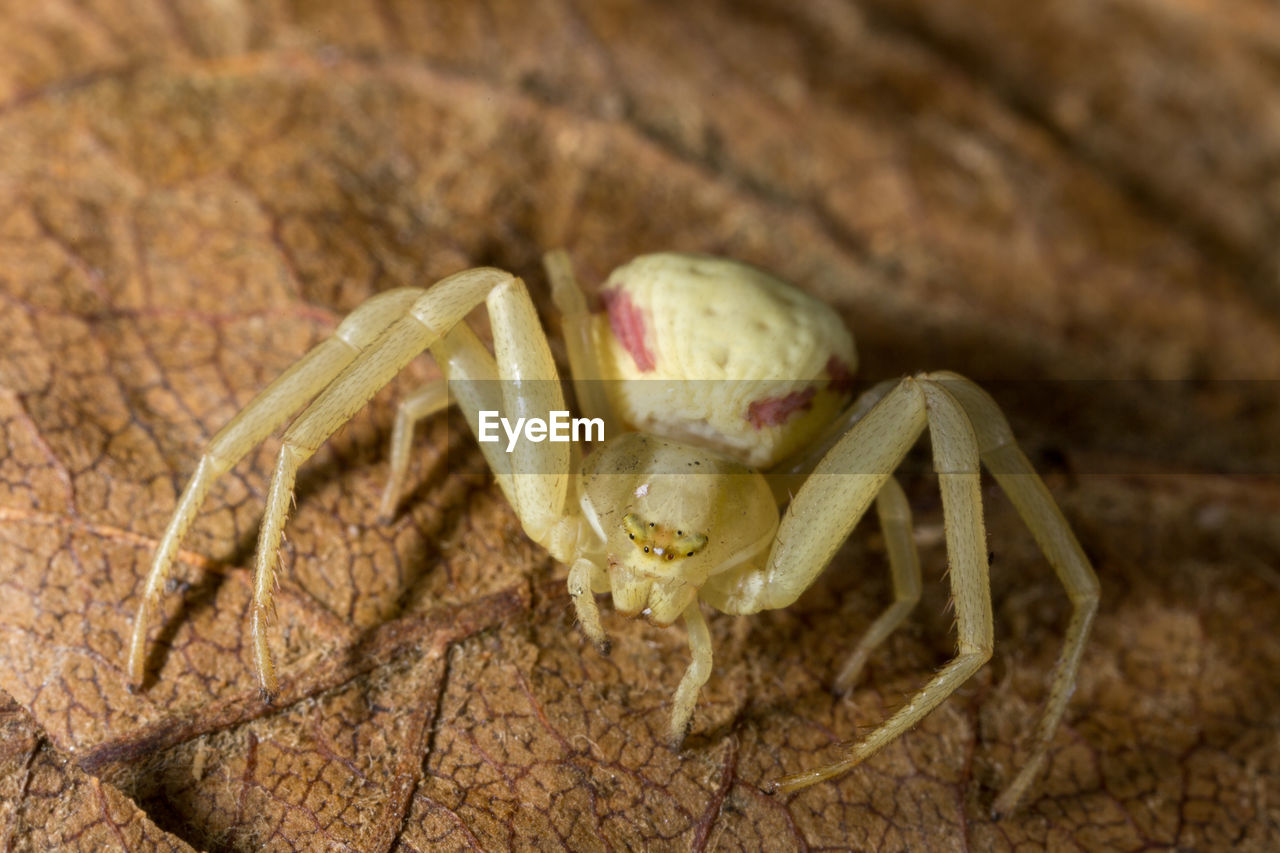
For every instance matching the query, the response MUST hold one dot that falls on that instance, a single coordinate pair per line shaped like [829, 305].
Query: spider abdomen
[722, 355]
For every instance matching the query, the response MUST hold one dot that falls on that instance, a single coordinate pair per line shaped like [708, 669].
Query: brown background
[1079, 197]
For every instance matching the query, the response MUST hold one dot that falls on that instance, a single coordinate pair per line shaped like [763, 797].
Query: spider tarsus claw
[267, 696]
[1002, 808]
[604, 647]
[850, 674]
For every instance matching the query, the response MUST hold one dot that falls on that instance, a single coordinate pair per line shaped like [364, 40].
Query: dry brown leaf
[48, 803]
[195, 194]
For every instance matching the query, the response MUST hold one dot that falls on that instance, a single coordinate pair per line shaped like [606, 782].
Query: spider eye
[690, 554]
[671, 556]
[631, 536]
[646, 549]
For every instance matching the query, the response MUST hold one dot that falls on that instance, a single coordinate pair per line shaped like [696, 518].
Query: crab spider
[735, 489]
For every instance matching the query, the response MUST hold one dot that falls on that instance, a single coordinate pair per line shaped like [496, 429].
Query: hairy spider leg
[265, 413]
[837, 493]
[1031, 498]
[893, 511]
[472, 376]
[396, 327]
[956, 460]
[531, 387]
[587, 577]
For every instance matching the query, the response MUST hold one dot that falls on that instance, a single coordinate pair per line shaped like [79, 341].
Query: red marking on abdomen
[627, 323]
[841, 376]
[772, 411]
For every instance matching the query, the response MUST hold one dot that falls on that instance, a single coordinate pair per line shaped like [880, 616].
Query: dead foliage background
[1075, 202]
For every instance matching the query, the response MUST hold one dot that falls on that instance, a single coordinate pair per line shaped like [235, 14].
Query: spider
[732, 470]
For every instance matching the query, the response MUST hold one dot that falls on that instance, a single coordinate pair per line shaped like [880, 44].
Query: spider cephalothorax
[731, 474]
[641, 492]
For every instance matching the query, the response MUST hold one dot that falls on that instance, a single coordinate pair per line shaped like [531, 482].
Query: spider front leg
[522, 357]
[956, 461]
[420, 319]
[1031, 498]
[965, 425]
[894, 514]
[274, 405]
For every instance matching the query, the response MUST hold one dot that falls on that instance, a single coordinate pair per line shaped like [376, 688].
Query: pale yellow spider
[706, 373]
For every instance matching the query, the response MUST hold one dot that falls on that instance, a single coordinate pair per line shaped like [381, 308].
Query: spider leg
[695, 676]
[274, 405]
[521, 352]
[421, 404]
[904, 566]
[1031, 498]
[894, 513]
[585, 579]
[471, 381]
[827, 506]
[955, 450]
[584, 361]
